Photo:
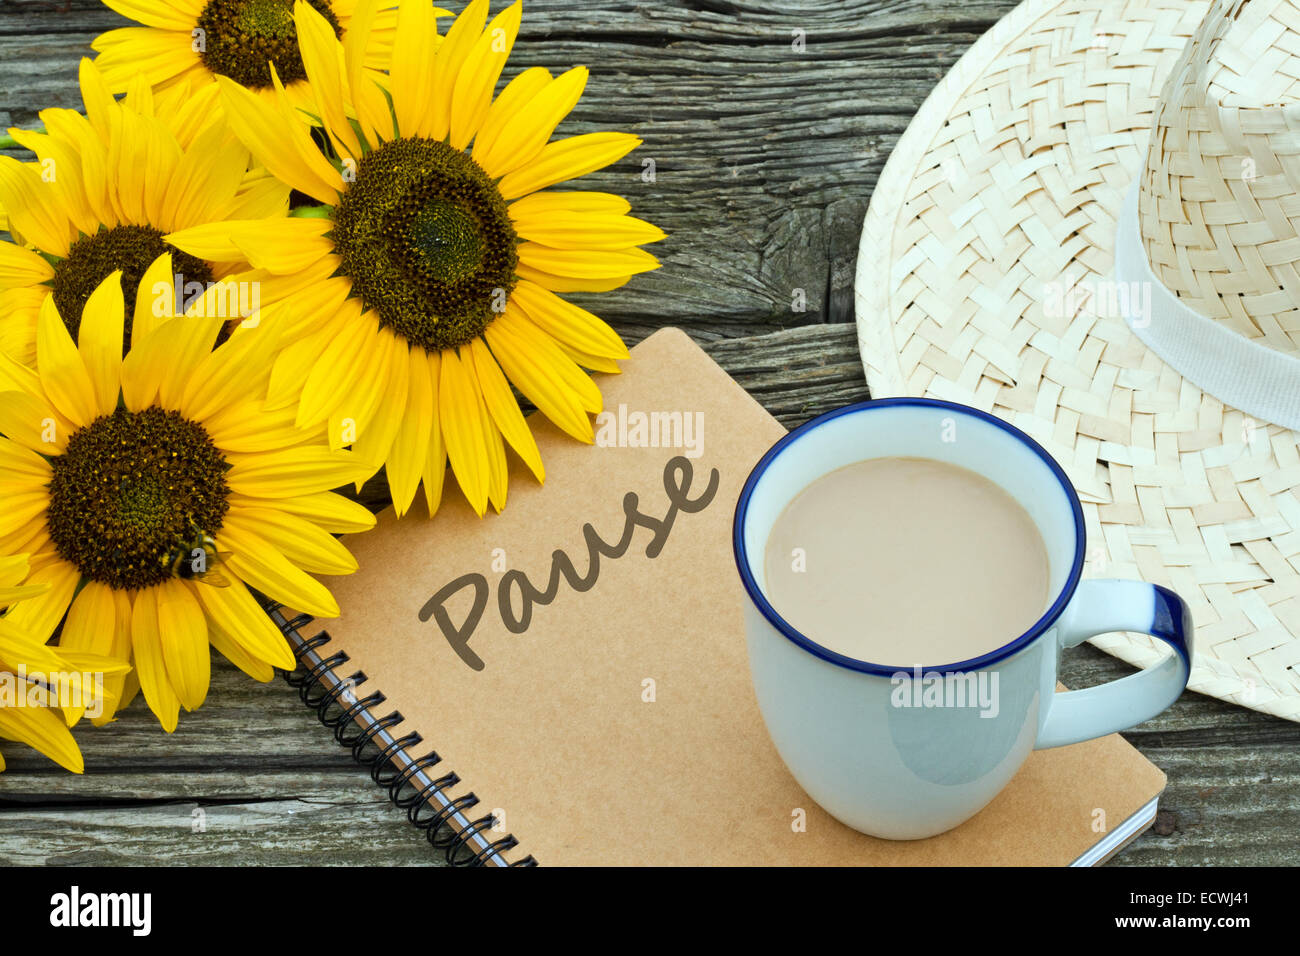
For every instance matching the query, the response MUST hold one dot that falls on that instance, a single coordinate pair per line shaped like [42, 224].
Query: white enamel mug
[902, 752]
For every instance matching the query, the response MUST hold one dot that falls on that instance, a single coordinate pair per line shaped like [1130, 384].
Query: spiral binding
[426, 799]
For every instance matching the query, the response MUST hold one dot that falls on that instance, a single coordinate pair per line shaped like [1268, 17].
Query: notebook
[608, 719]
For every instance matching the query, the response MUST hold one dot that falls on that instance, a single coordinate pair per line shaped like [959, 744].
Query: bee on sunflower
[29, 671]
[184, 45]
[104, 190]
[152, 490]
[429, 282]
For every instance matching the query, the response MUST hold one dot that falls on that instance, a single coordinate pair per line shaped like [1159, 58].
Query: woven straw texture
[981, 279]
[1220, 204]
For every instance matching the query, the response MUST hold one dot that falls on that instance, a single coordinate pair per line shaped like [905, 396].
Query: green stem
[311, 212]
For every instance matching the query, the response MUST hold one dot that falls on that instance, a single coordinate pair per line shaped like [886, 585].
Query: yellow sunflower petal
[214, 241]
[38, 616]
[434, 472]
[503, 408]
[14, 376]
[296, 360]
[118, 648]
[266, 569]
[155, 298]
[150, 662]
[521, 141]
[22, 267]
[278, 143]
[503, 112]
[567, 323]
[543, 373]
[472, 91]
[240, 617]
[460, 415]
[248, 426]
[453, 51]
[184, 634]
[63, 373]
[590, 231]
[339, 368]
[233, 651]
[498, 472]
[41, 728]
[100, 342]
[238, 367]
[127, 52]
[32, 423]
[354, 413]
[13, 567]
[88, 628]
[597, 363]
[99, 623]
[20, 649]
[325, 509]
[316, 551]
[59, 158]
[586, 264]
[540, 205]
[158, 13]
[19, 311]
[159, 368]
[162, 157]
[22, 508]
[567, 159]
[30, 208]
[554, 283]
[100, 105]
[292, 472]
[411, 446]
[413, 66]
[260, 196]
[322, 57]
[204, 183]
[276, 245]
[373, 113]
[376, 438]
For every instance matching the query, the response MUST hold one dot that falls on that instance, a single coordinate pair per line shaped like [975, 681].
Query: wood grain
[764, 161]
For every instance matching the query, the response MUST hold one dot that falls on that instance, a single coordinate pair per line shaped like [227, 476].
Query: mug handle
[1102, 606]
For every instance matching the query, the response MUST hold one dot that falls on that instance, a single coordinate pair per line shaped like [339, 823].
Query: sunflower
[185, 44]
[27, 666]
[104, 190]
[153, 489]
[428, 284]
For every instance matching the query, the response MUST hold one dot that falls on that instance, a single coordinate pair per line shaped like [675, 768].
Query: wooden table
[763, 157]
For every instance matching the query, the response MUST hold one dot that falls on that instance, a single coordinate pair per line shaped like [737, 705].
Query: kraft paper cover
[557, 728]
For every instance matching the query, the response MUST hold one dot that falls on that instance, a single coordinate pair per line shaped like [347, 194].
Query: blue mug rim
[851, 663]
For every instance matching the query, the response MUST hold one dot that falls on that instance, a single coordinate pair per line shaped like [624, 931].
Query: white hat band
[1260, 381]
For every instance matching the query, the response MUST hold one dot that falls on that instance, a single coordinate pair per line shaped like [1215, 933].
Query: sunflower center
[93, 258]
[240, 38]
[130, 491]
[427, 242]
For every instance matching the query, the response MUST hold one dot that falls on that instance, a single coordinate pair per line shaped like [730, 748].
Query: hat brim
[1007, 184]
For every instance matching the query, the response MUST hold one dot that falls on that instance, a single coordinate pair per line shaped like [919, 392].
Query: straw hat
[1092, 229]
